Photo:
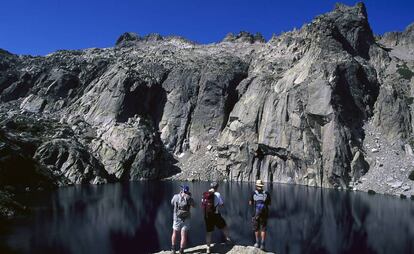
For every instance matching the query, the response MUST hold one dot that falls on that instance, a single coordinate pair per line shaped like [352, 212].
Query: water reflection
[137, 217]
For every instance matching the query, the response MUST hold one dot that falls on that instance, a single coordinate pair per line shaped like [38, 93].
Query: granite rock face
[70, 159]
[42, 153]
[302, 122]
[293, 109]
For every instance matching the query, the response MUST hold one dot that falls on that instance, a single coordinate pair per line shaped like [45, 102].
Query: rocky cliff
[306, 107]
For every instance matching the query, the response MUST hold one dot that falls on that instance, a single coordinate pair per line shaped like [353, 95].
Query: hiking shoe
[262, 247]
[208, 250]
[229, 241]
[172, 251]
[181, 251]
[256, 245]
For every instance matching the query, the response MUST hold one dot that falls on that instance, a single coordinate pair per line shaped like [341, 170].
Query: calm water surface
[137, 218]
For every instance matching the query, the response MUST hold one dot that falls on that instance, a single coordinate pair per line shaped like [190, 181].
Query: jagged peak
[344, 13]
[153, 37]
[179, 38]
[127, 37]
[410, 28]
[358, 8]
[392, 39]
[244, 36]
[5, 52]
[131, 37]
[348, 25]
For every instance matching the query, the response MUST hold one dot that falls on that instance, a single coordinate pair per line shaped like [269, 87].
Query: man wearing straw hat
[260, 200]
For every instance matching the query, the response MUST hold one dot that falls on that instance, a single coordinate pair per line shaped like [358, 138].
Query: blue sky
[38, 27]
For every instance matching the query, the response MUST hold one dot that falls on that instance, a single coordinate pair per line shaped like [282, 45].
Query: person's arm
[251, 200]
[173, 200]
[220, 200]
[268, 199]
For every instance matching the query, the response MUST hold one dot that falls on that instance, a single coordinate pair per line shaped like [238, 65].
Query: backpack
[260, 203]
[207, 203]
[183, 206]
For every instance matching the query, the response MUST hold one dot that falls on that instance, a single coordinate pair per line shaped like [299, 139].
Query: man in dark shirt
[260, 200]
[213, 218]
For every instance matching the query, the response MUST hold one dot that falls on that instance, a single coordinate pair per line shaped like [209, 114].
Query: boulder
[222, 248]
[71, 160]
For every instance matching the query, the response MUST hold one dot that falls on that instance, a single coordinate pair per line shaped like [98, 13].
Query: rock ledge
[222, 248]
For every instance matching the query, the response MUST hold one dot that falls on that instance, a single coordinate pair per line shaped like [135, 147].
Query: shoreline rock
[221, 249]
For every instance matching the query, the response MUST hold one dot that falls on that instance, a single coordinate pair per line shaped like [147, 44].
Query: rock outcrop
[294, 109]
[244, 37]
[302, 123]
[221, 248]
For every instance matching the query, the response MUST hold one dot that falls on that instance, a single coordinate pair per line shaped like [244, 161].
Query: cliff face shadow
[143, 99]
[171, 164]
[147, 101]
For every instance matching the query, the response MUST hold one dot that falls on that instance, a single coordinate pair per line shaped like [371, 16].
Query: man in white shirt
[211, 202]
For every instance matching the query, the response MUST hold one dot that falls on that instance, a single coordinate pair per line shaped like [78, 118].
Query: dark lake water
[137, 218]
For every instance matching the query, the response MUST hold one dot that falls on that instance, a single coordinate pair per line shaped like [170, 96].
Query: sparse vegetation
[8, 206]
[410, 140]
[411, 176]
[404, 71]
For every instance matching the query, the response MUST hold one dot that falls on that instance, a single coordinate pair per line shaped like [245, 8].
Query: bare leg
[208, 239]
[263, 235]
[226, 232]
[262, 244]
[256, 235]
[183, 238]
[173, 236]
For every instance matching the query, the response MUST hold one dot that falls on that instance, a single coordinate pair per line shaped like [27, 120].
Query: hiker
[210, 203]
[260, 200]
[182, 202]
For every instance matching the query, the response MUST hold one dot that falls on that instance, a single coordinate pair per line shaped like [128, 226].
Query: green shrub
[411, 176]
[404, 72]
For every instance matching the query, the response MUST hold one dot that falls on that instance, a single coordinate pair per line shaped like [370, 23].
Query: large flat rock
[222, 248]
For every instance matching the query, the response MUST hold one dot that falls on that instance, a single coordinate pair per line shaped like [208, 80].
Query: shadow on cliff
[171, 162]
[143, 99]
[147, 101]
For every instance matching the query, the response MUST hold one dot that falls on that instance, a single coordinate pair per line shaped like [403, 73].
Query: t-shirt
[176, 199]
[218, 201]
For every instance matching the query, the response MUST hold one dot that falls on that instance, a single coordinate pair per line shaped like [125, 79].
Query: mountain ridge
[295, 109]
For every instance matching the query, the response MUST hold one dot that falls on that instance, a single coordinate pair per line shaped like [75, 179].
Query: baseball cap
[185, 188]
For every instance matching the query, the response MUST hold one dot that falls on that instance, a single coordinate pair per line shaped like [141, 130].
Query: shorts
[214, 220]
[259, 223]
[180, 224]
